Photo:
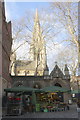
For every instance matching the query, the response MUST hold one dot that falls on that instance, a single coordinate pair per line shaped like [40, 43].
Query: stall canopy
[29, 89]
[20, 89]
[55, 89]
[75, 91]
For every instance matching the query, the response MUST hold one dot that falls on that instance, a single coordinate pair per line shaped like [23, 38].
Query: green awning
[28, 89]
[75, 91]
[39, 90]
[55, 89]
[20, 89]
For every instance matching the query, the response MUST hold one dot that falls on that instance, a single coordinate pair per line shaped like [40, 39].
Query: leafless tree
[66, 15]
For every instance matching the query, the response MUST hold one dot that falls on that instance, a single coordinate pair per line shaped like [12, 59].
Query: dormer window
[56, 73]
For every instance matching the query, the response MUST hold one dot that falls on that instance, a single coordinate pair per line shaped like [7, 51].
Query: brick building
[6, 43]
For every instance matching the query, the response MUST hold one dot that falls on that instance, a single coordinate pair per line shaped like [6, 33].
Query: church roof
[28, 65]
[56, 72]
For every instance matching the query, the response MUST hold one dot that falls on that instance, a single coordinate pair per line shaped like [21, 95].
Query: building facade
[6, 44]
[56, 78]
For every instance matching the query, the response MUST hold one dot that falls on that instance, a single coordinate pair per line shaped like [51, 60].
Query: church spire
[38, 45]
[37, 23]
[36, 16]
[37, 37]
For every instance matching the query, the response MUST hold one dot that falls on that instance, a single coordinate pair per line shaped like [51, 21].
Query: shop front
[23, 99]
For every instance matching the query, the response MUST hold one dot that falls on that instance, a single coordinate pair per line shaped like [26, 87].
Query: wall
[6, 50]
[30, 81]
[0, 59]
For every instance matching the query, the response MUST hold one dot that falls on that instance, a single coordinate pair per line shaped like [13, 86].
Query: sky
[15, 10]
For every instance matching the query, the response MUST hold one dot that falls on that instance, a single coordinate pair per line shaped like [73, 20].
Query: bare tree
[67, 56]
[66, 14]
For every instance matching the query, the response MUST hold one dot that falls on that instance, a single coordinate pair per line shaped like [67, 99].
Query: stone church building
[35, 73]
[37, 65]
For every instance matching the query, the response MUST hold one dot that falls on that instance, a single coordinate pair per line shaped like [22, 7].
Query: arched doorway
[57, 84]
[60, 94]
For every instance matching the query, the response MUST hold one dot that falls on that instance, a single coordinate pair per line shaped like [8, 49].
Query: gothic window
[38, 57]
[56, 73]
[57, 84]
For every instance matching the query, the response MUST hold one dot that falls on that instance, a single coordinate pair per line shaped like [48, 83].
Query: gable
[56, 72]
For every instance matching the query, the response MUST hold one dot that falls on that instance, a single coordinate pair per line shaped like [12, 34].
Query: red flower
[18, 99]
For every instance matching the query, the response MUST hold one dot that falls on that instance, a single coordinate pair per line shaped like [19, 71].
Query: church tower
[37, 65]
[38, 45]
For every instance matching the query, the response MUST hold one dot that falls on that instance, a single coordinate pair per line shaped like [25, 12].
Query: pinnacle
[36, 12]
[36, 16]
